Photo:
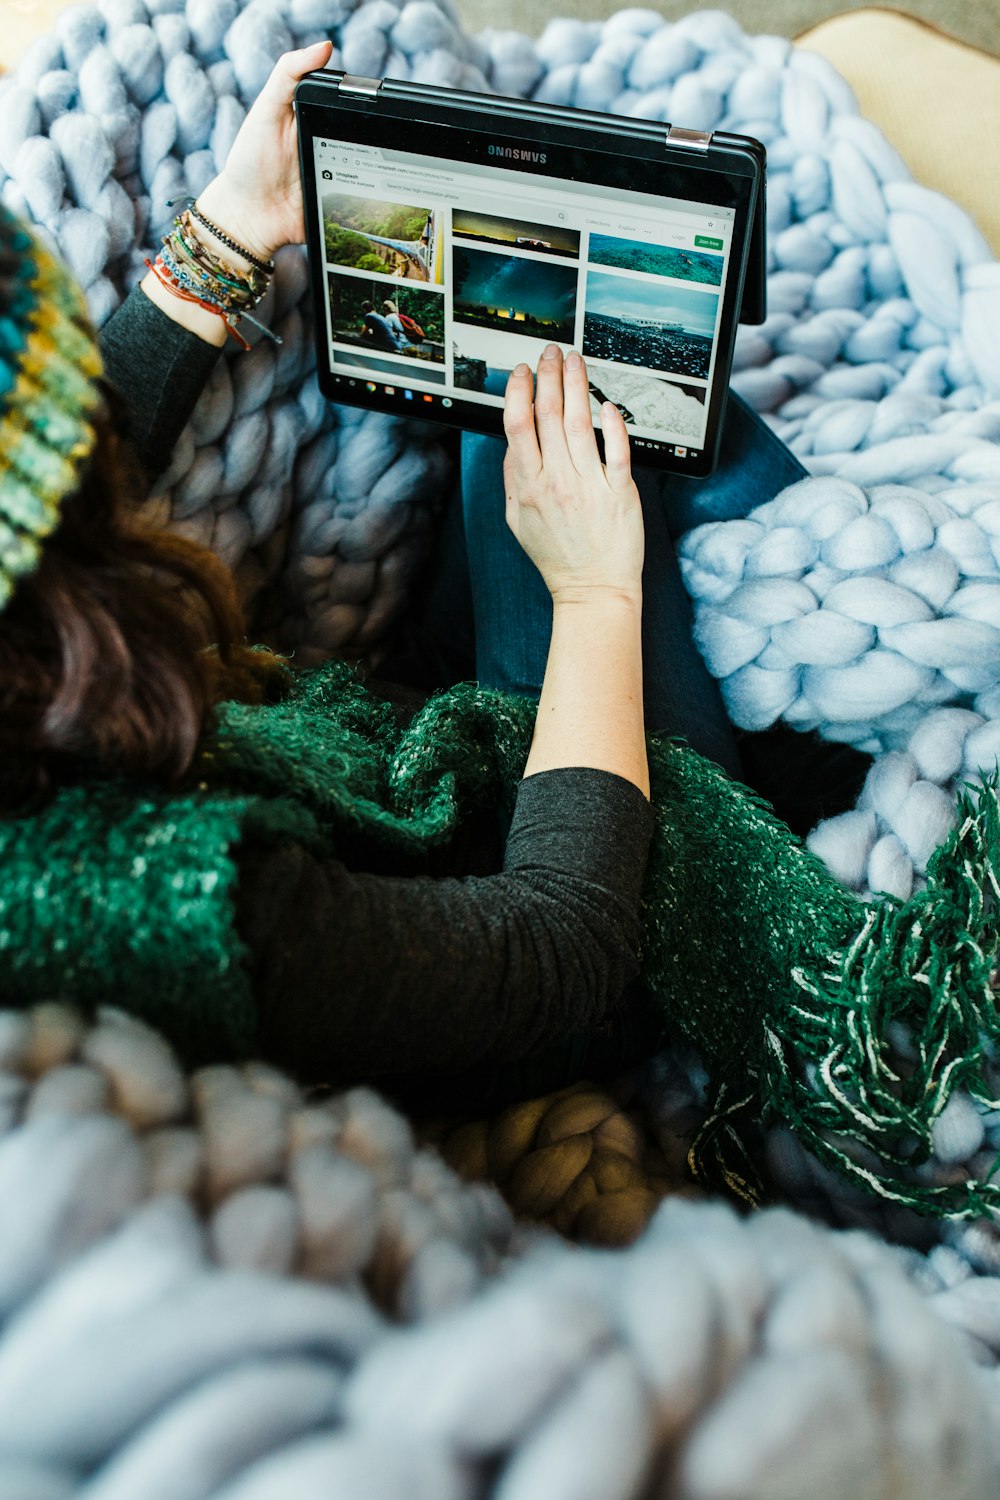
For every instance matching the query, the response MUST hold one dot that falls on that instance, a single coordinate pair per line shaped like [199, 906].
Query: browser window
[441, 278]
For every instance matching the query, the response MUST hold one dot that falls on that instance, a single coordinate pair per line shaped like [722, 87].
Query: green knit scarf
[787, 985]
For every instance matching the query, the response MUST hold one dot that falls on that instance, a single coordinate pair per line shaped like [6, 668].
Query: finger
[519, 424]
[291, 67]
[617, 456]
[549, 407]
[511, 495]
[577, 418]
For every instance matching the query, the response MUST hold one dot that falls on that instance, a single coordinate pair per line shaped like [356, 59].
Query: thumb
[291, 68]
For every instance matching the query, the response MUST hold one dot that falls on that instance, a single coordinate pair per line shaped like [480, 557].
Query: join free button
[706, 242]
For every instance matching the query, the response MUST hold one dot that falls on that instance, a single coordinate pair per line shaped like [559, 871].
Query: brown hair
[106, 650]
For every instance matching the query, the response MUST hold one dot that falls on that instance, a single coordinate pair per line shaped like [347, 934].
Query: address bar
[378, 168]
[450, 187]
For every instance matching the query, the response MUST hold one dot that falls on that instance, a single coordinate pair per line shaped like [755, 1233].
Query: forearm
[160, 370]
[590, 712]
[159, 351]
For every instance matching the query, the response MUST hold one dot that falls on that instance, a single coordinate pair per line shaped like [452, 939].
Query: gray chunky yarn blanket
[156, 1238]
[215, 1288]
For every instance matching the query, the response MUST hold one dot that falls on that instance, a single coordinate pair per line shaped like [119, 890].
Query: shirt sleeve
[159, 369]
[373, 976]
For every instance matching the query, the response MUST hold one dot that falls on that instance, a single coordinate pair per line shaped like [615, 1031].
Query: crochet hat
[49, 364]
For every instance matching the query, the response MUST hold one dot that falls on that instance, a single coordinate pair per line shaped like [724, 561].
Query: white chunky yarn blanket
[865, 602]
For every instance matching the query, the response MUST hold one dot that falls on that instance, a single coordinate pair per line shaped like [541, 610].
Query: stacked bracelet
[191, 270]
[173, 285]
[267, 266]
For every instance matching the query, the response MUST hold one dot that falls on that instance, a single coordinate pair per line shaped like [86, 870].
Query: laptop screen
[441, 276]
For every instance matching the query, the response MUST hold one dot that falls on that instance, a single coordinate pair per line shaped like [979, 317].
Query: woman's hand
[580, 521]
[257, 198]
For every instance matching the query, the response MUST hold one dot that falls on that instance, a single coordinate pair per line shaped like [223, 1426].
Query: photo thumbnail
[548, 239]
[387, 319]
[512, 294]
[649, 323]
[483, 358]
[472, 372]
[656, 260]
[395, 239]
[669, 408]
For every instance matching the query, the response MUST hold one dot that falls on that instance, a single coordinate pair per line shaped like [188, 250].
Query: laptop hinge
[364, 88]
[691, 140]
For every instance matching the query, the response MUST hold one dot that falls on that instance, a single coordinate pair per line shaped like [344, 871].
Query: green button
[706, 242]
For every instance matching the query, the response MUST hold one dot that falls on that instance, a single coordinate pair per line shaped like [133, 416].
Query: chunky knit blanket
[213, 1287]
[863, 602]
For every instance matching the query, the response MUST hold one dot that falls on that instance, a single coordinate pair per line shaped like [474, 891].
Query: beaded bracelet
[179, 255]
[267, 266]
[175, 280]
[228, 285]
[247, 287]
[181, 275]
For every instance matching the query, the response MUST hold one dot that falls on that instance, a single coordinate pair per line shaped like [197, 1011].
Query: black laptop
[453, 235]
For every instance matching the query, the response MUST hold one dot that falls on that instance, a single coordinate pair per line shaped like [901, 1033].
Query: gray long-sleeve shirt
[365, 975]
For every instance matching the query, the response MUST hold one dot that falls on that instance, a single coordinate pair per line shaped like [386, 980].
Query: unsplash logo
[515, 153]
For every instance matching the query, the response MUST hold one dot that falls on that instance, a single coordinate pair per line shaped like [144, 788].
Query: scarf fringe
[830, 1070]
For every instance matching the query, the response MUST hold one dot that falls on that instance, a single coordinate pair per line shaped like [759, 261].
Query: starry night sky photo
[513, 294]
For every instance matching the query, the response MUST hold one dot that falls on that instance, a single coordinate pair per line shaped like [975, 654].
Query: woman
[308, 868]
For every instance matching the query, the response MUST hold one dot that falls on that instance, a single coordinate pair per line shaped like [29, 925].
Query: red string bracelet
[169, 284]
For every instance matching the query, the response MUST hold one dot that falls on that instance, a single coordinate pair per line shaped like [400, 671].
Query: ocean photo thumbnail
[656, 260]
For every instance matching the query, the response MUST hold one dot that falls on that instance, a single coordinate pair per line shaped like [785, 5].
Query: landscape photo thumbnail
[513, 294]
[656, 260]
[394, 239]
[473, 373]
[516, 234]
[649, 323]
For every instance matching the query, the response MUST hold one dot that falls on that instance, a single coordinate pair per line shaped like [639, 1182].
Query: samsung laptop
[452, 235]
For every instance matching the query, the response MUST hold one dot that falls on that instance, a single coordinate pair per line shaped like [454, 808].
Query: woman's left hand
[257, 197]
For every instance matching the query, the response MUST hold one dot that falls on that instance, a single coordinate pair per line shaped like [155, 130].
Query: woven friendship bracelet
[180, 274]
[231, 288]
[267, 266]
[170, 282]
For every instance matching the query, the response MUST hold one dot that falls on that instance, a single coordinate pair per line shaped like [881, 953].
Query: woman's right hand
[580, 521]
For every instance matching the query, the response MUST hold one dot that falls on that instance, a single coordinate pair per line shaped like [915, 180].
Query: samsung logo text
[516, 153]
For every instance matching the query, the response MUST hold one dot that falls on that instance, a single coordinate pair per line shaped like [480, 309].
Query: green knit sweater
[124, 893]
